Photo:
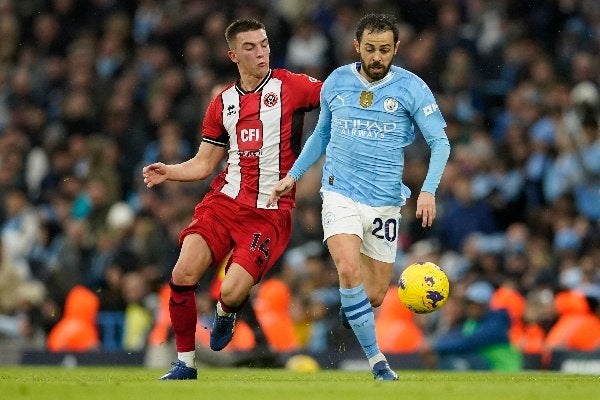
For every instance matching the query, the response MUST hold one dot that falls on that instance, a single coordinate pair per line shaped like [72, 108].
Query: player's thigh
[344, 251]
[194, 258]
[343, 232]
[379, 248]
[376, 276]
[208, 222]
[380, 225]
[260, 237]
[340, 215]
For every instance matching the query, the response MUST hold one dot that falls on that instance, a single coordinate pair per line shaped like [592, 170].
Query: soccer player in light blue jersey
[368, 112]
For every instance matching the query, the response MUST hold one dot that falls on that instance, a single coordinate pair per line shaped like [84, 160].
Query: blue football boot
[383, 372]
[180, 371]
[222, 332]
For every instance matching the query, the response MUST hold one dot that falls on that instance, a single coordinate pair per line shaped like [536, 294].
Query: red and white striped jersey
[263, 132]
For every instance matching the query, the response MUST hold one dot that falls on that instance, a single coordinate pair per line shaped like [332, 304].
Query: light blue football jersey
[364, 127]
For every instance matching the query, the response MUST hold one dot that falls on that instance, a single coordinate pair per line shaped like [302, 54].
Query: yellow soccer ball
[423, 287]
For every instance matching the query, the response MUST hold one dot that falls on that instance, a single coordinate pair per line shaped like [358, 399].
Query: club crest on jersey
[390, 104]
[270, 99]
[366, 99]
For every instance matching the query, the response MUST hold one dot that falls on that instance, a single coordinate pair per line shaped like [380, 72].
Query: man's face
[251, 52]
[376, 51]
[475, 310]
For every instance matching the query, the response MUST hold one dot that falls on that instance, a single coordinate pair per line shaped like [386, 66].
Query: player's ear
[396, 47]
[357, 46]
[232, 56]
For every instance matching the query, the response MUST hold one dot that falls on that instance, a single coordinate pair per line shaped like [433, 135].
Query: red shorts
[258, 237]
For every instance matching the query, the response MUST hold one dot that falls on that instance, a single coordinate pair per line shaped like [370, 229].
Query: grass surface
[250, 384]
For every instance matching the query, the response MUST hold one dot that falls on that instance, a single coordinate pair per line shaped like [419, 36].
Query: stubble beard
[375, 76]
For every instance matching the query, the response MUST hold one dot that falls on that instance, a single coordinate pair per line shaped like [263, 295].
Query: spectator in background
[170, 145]
[102, 164]
[578, 325]
[138, 315]
[76, 330]
[44, 250]
[71, 260]
[9, 30]
[307, 49]
[481, 341]
[587, 189]
[464, 215]
[20, 231]
[19, 298]
[342, 33]
[538, 318]
[146, 20]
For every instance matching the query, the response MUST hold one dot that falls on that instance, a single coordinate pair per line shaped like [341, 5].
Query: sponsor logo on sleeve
[430, 109]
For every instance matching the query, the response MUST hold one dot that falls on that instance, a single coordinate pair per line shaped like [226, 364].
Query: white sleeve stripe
[211, 141]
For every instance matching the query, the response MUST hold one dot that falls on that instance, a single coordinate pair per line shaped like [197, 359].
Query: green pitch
[42, 383]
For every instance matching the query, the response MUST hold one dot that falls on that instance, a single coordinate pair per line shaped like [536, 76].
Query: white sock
[188, 357]
[222, 312]
[376, 358]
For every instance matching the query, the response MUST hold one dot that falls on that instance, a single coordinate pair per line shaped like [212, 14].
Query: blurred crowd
[92, 90]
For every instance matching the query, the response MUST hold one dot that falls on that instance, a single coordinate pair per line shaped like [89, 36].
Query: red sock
[230, 309]
[182, 309]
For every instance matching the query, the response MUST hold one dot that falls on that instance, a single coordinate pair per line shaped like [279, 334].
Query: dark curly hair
[377, 23]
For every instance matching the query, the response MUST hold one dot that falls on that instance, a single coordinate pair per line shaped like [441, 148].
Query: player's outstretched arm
[282, 187]
[196, 168]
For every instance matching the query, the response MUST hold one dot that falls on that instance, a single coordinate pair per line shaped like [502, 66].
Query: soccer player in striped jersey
[255, 123]
[368, 112]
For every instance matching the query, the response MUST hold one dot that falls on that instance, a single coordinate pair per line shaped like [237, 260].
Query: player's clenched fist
[154, 174]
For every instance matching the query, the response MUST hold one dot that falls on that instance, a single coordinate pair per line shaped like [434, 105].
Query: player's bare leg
[194, 259]
[356, 306]
[234, 294]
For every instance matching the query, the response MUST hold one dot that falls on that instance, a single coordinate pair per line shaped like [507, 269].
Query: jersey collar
[258, 88]
[371, 85]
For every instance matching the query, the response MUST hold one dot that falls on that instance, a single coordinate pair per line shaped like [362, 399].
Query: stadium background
[92, 90]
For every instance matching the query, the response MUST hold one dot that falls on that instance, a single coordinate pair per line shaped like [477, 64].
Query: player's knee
[183, 275]
[348, 274]
[232, 295]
